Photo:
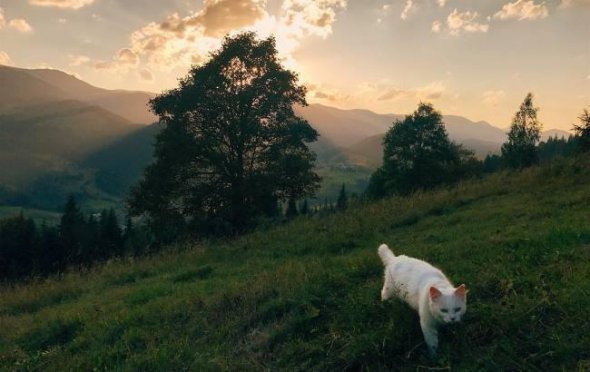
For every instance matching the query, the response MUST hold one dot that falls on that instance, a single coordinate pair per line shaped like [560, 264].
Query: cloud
[180, 41]
[85, 61]
[458, 22]
[432, 91]
[78, 60]
[222, 16]
[407, 8]
[436, 27]
[393, 94]
[303, 18]
[146, 75]
[5, 59]
[127, 57]
[319, 92]
[571, 3]
[388, 92]
[186, 40]
[522, 10]
[493, 97]
[20, 25]
[64, 4]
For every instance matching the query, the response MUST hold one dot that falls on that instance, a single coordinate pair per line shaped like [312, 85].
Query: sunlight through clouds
[458, 22]
[65, 4]
[17, 24]
[407, 8]
[5, 59]
[20, 25]
[182, 41]
[522, 10]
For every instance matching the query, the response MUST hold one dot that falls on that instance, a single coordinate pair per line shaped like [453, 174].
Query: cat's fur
[426, 289]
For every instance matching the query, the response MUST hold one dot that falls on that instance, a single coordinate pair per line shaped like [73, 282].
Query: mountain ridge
[56, 85]
[56, 127]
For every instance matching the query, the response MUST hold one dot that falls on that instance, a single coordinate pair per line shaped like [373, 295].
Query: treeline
[546, 151]
[419, 155]
[28, 250]
[320, 209]
[232, 155]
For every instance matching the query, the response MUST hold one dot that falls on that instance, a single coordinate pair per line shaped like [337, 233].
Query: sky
[475, 58]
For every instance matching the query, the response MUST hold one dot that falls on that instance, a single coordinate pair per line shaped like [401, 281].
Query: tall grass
[305, 296]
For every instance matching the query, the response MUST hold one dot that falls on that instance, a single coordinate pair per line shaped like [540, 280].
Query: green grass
[305, 296]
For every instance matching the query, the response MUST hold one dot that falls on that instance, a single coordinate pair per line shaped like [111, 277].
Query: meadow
[306, 295]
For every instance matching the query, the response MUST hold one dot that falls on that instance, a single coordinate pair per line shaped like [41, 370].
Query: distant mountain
[554, 133]
[59, 134]
[120, 164]
[47, 137]
[343, 128]
[22, 87]
[357, 135]
[18, 88]
[50, 122]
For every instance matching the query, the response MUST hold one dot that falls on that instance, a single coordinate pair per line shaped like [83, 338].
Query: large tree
[417, 154]
[231, 146]
[525, 132]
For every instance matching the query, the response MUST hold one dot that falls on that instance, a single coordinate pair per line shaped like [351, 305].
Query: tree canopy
[417, 154]
[582, 130]
[231, 146]
[525, 132]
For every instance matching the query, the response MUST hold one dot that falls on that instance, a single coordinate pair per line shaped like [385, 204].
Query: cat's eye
[444, 311]
[457, 309]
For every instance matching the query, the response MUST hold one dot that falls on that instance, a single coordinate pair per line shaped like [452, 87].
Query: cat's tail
[386, 254]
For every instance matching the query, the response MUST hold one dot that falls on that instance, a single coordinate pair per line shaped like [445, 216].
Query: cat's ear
[460, 291]
[435, 293]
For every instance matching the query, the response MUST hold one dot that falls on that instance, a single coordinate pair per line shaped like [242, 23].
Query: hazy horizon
[474, 60]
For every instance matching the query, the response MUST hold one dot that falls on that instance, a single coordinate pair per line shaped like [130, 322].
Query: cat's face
[448, 307]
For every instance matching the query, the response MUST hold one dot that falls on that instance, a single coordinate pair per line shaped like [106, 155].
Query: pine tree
[342, 202]
[92, 240]
[52, 257]
[71, 231]
[291, 209]
[129, 236]
[18, 243]
[111, 235]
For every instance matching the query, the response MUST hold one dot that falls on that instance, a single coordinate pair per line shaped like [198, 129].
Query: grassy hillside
[306, 295]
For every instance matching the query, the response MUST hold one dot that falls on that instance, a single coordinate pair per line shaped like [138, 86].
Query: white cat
[426, 289]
